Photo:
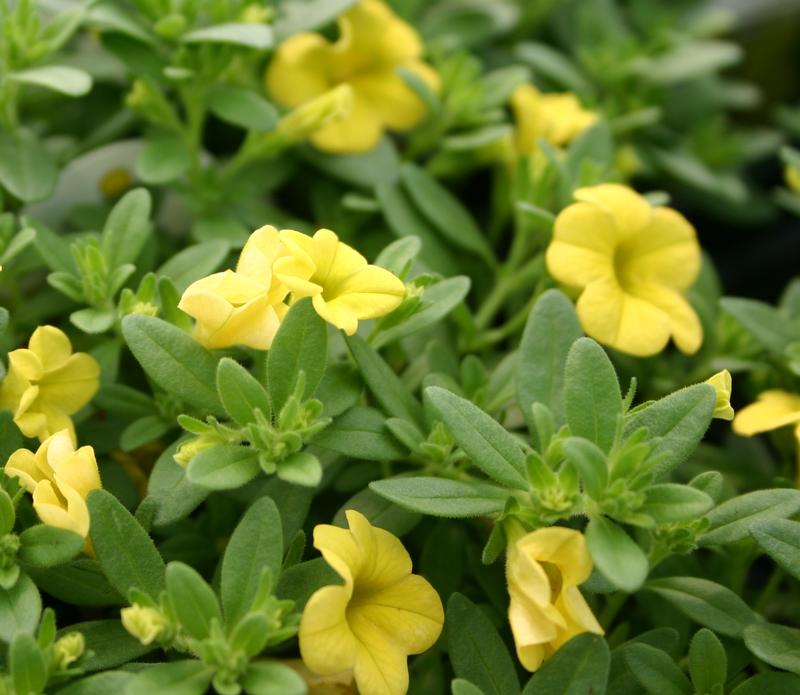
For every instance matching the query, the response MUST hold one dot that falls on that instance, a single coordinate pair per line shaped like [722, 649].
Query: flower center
[625, 264]
[555, 579]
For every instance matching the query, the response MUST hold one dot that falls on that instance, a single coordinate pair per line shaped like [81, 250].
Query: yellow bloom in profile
[556, 118]
[380, 615]
[242, 307]
[145, 623]
[373, 44]
[772, 409]
[59, 477]
[723, 385]
[344, 288]
[544, 569]
[46, 383]
[633, 263]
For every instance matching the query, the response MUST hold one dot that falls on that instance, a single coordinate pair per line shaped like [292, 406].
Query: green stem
[612, 608]
[769, 590]
[509, 283]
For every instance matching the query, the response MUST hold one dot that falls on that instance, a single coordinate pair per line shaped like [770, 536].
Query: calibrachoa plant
[370, 347]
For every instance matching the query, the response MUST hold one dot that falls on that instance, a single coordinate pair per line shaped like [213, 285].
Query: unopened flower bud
[333, 105]
[68, 649]
[722, 384]
[188, 450]
[144, 623]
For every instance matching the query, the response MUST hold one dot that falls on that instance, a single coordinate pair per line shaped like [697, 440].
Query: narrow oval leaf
[618, 558]
[731, 521]
[59, 78]
[192, 599]
[441, 497]
[780, 538]
[579, 667]
[223, 467]
[487, 443]
[670, 503]
[656, 672]
[240, 392]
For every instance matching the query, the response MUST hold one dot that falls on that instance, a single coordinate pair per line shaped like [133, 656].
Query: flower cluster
[245, 306]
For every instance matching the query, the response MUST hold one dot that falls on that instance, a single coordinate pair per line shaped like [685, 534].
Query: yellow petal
[12, 389]
[622, 321]
[665, 252]
[408, 612]
[685, 326]
[631, 212]
[253, 324]
[340, 550]
[22, 464]
[72, 385]
[72, 515]
[300, 70]
[525, 103]
[337, 313]
[56, 420]
[723, 385]
[773, 409]
[258, 256]
[327, 644]
[77, 470]
[384, 559]
[579, 616]
[359, 132]
[532, 630]
[563, 547]
[381, 668]
[51, 346]
[25, 363]
[388, 96]
[371, 34]
[584, 242]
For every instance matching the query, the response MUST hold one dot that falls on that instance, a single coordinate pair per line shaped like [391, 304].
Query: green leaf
[304, 15]
[590, 462]
[579, 667]
[255, 546]
[554, 66]
[679, 420]
[380, 165]
[670, 503]
[769, 684]
[476, 650]
[80, 583]
[300, 343]
[240, 392]
[27, 170]
[108, 644]
[257, 36]
[99, 684]
[175, 677]
[655, 670]
[764, 322]
[438, 300]
[441, 497]
[592, 398]
[194, 262]
[193, 601]
[48, 546]
[383, 383]
[361, 433]
[164, 158]
[777, 645]
[616, 556]
[273, 678]
[593, 144]
[441, 207]
[780, 538]
[170, 490]
[398, 256]
[93, 321]
[708, 663]
[298, 583]
[301, 468]
[731, 521]
[58, 78]
[223, 467]
[126, 553]
[550, 331]
[487, 443]
[706, 602]
[20, 608]
[142, 431]
[7, 514]
[461, 687]
[27, 665]
[688, 60]
[181, 366]
[379, 511]
[127, 228]
[242, 107]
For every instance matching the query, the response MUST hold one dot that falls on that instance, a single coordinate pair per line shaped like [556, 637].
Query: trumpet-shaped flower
[556, 118]
[242, 307]
[344, 288]
[544, 569]
[46, 383]
[380, 615]
[373, 44]
[59, 477]
[723, 385]
[633, 263]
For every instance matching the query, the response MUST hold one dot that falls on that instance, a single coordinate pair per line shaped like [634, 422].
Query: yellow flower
[242, 307]
[144, 623]
[723, 384]
[46, 383]
[556, 118]
[633, 263]
[344, 288]
[792, 178]
[332, 106]
[380, 615]
[59, 477]
[544, 569]
[373, 44]
[772, 409]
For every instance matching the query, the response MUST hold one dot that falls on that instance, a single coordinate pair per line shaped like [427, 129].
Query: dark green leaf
[616, 556]
[47, 546]
[240, 392]
[580, 667]
[731, 521]
[193, 601]
[440, 497]
[223, 467]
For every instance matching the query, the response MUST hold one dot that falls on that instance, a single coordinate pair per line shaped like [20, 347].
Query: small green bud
[144, 623]
[188, 450]
[68, 649]
[171, 26]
